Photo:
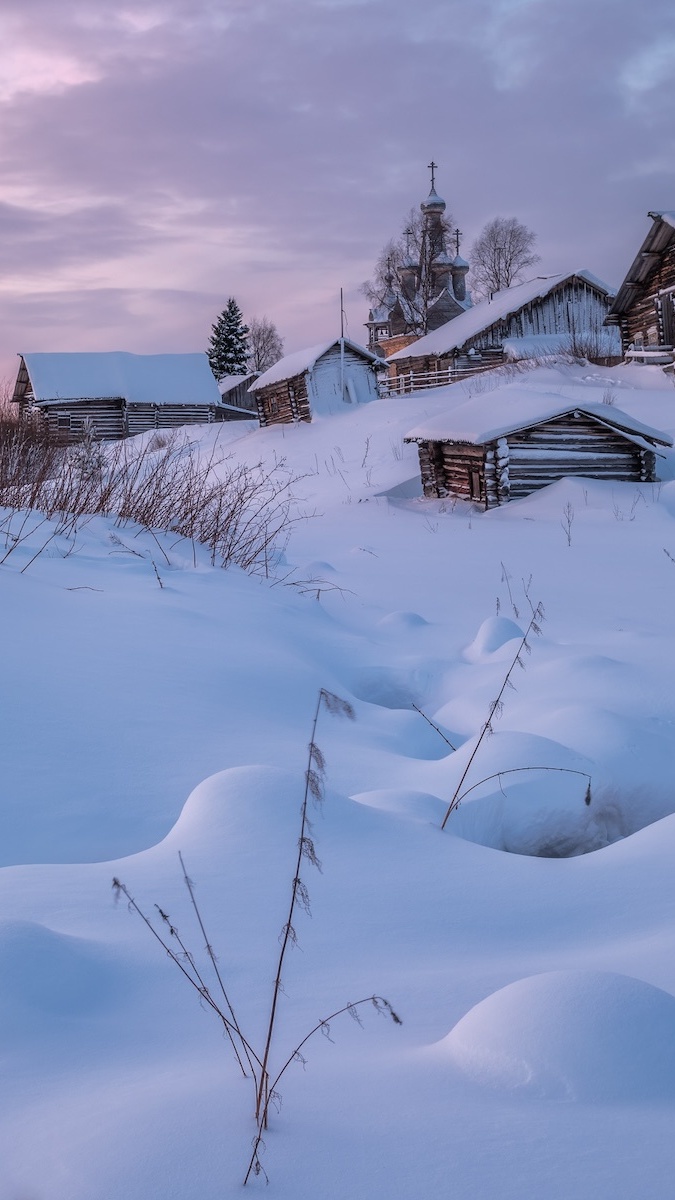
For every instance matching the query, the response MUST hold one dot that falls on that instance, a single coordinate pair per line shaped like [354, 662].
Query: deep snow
[537, 991]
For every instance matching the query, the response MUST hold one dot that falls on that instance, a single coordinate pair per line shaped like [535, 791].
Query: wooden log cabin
[117, 393]
[644, 308]
[545, 315]
[321, 379]
[478, 454]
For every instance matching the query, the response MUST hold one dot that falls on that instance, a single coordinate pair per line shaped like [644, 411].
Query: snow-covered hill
[528, 947]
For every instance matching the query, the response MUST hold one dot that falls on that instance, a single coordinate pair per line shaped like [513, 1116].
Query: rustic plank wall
[65, 421]
[646, 319]
[324, 382]
[111, 419]
[141, 417]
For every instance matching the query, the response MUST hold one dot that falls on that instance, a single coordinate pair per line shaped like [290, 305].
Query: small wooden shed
[321, 379]
[644, 308]
[491, 455]
[117, 393]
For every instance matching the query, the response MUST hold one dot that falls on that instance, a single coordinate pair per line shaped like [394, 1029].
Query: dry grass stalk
[534, 627]
[266, 1092]
[242, 513]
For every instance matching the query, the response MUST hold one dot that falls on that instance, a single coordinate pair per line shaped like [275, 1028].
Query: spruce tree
[228, 345]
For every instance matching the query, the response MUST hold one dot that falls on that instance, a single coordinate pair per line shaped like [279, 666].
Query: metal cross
[458, 235]
[433, 167]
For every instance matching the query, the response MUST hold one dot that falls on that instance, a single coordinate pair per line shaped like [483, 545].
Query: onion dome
[433, 203]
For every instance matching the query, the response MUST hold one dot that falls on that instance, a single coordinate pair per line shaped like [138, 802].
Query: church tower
[428, 286]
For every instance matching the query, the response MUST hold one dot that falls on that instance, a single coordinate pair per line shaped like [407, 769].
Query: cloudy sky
[159, 156]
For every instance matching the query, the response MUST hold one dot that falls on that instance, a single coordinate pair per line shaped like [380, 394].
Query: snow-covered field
[529, 948]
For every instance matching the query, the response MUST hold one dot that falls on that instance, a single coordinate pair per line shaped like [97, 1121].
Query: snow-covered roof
[486, 418]
[229, 382]
[303, 360]
[136, 378]
[481, 316]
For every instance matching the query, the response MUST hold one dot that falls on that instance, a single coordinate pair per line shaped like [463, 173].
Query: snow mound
[571, 1036]
[45, 973]
[492, 635]
[233, 808]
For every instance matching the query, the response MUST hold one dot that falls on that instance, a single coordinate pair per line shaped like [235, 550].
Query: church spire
[433, 205]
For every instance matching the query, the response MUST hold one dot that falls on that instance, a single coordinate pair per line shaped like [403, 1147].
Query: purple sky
[163, 156]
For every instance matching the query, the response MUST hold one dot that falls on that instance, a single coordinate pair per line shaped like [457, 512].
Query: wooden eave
[647, 258]
[23, 384]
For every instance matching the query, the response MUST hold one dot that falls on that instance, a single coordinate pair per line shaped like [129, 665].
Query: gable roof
[483, 419]
[659, 237]
[475, 320]
[303, 360]
[136, 378]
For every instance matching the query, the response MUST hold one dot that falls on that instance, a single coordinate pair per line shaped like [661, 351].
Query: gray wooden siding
[65, 421]
[360, 382]
[141, 417]
[111, 419]
[572, 446]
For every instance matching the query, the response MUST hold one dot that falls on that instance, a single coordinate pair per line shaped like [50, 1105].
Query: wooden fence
[419, 381]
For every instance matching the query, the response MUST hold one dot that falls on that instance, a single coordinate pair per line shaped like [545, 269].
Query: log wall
[650, 320]
[283, 402]
[573, 446]
[66, 421]
[450, 468]
[141, 417]
[111, 419]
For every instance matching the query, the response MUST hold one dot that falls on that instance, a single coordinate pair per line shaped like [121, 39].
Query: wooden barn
[236, 397]
[544, 315]
[491, 456]
[118, 394]
[321, 379]
[644, 308]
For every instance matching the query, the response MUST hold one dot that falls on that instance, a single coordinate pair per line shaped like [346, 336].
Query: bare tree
[500, 255]
[416, 246]
[266, 346]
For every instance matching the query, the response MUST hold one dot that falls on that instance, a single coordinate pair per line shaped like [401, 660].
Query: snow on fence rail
[418, 381]
[656, 355]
